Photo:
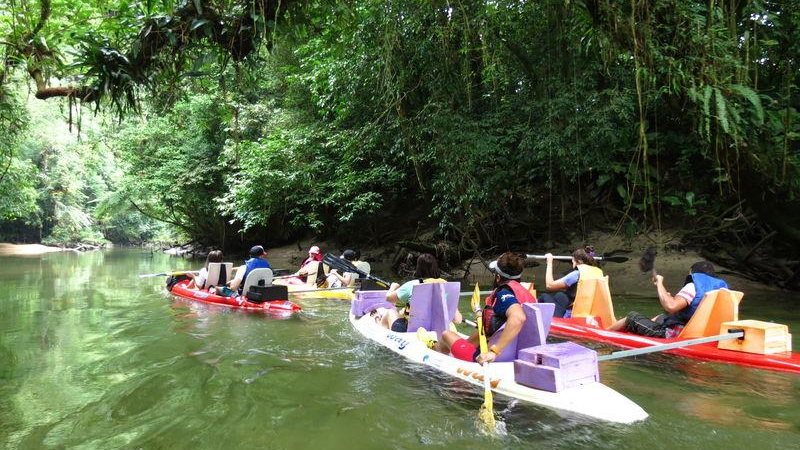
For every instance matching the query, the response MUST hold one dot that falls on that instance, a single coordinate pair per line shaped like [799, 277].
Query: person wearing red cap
[308, 266]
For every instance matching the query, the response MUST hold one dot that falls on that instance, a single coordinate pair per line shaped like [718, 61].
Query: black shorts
[639, 324]
[400, 325]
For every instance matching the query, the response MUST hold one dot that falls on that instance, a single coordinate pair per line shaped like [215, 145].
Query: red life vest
[490, 324]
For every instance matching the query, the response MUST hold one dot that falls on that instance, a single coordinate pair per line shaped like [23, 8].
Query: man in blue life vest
[679, 308]
[258, 260]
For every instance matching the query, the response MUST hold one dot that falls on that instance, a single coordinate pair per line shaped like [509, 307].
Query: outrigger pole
[662, 347]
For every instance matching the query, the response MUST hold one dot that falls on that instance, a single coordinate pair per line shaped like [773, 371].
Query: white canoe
[594, 400]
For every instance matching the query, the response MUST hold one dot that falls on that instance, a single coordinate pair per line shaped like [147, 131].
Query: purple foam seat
[534, 331]
[368, 301]
[433, 306]
[555, 367]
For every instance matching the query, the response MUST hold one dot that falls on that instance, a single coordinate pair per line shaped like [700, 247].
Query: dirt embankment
[625, 277]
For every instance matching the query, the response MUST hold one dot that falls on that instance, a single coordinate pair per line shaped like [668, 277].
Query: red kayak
[578, 328]
[181, 290]
[764, 345]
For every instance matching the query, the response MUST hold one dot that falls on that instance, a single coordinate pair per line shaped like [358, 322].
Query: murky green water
[91, 356]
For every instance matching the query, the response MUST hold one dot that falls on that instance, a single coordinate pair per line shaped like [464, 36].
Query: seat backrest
[433, 306]
[716, 307]
[538, 317]
[314, 275]
[256, 277]
[593, 299]
[218, 274]
[530, 287]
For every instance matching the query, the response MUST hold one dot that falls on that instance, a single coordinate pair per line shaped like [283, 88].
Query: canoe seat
[530, 287]
[593, 300]
[433, 306]
[317, 277]
[218, 274]
[538, 317]
[257, 277]
[716, 307]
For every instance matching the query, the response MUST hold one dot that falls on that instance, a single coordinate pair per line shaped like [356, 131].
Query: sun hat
[494, 267]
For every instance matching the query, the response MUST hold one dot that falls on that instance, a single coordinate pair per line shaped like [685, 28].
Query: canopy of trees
[494, 123]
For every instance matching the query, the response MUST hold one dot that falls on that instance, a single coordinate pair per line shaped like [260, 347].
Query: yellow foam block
[764, 338]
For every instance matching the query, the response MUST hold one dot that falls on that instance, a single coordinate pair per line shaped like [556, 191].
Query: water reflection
[92, 356]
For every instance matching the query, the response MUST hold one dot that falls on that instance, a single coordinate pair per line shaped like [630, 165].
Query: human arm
[562, 284]
[400, 293]
[670, 303]
[515, 319]
[238, 278]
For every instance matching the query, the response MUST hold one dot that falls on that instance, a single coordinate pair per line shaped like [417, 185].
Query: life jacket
[585, 272]
[702, 284]
[254, 263]
[492, 322]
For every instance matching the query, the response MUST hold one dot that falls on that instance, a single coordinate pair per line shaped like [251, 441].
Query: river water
[92, 356]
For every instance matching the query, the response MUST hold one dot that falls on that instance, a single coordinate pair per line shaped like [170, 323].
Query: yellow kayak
[301, 291]
[306, 291]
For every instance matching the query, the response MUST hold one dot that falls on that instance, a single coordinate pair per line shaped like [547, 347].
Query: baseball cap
[314, 249]
[257, 251]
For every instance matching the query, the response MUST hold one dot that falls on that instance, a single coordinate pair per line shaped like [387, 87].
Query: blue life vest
[702, 284]
[254, 263]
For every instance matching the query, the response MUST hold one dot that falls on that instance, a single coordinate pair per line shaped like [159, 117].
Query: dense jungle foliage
[502, 123]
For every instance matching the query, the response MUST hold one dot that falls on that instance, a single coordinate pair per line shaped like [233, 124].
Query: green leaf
[753, 98]
[722, 110]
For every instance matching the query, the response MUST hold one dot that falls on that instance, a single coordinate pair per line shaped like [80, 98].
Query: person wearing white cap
[503, 306]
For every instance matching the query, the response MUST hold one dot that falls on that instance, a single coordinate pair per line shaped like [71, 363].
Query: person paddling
[199, 279]
[309, 266]
[503, 307]
[566, 287]
[679, 308]
[347, 279]
[258, 260]
[427, 271]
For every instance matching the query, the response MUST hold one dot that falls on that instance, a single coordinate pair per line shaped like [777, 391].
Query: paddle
[167, 274]
[614, 259]
[320, 290]
[486, 413]
[647, 263]
[346, 266]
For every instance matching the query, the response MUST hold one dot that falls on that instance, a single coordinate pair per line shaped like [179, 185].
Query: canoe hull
[283, 307]
[594, 400]
[571, 328]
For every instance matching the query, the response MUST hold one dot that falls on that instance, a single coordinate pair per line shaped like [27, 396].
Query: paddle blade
[614, 259]
[475, 302]
[486, 413]
[648, 261]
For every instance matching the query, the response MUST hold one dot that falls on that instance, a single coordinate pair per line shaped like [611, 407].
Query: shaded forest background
[461, 124]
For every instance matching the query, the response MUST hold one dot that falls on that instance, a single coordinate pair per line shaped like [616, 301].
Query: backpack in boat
[172, 280]
[261, 294]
